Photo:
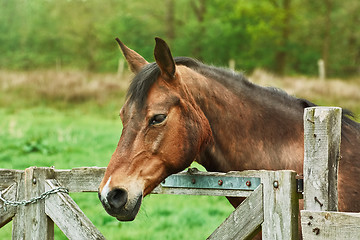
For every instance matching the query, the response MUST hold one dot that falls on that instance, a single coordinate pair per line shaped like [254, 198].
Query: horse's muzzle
[117, 204]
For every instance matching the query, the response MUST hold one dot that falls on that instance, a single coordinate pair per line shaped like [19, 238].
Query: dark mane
[142, 82]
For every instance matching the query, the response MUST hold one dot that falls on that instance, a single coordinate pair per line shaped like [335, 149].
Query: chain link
[34, 199]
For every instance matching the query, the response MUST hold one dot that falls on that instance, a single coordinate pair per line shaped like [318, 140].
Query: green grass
[68, 129]
[47, 137]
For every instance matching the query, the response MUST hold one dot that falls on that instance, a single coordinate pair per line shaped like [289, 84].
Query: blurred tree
[199, 7]
[170, 20]
[281, 55]
[283, 36]
[327, 33]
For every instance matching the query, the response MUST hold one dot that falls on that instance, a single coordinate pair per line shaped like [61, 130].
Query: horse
[179, 110]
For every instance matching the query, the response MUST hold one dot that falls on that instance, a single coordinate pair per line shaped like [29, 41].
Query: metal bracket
[211, 182]
[300, 185]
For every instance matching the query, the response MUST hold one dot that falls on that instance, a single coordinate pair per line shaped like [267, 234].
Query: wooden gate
[271, 203]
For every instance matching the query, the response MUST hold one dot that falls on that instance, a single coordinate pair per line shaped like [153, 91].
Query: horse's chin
[126, 218]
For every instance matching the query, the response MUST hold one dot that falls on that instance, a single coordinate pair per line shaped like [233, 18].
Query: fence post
[321, 66]
[30, 221]
[281, 205]
[322, 136]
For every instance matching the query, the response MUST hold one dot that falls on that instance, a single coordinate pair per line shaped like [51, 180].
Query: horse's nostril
[117, 198]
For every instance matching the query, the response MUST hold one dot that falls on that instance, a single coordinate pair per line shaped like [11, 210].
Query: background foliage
[283, 36]
[60, 96]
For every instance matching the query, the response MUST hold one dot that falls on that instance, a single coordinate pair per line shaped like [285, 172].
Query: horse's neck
[249, 132]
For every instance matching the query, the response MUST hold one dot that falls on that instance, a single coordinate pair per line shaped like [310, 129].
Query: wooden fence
[319, 219]
[271, 196]
[274, 197]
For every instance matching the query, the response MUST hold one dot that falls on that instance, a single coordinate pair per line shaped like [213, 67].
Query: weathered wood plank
[68, 216]
[324, 225]
[85, 179]
[10, 195]
[8, 177]
[31, 222]
[18, 229]
[322, 136]
[38, 225]
[281, 205]
[245, 220]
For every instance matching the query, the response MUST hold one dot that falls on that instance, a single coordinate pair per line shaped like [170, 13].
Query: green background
[60, 94]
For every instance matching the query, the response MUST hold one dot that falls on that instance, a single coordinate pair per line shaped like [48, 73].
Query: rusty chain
[34, 199]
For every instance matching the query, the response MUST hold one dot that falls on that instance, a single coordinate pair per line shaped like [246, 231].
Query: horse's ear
[135, 60]
[164, 59]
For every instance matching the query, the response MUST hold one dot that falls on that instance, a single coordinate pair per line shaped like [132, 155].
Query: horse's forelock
[141, 84]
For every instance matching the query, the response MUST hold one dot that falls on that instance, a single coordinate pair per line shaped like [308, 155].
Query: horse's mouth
[130, 214]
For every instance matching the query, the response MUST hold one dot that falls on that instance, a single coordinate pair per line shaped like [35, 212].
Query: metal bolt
[193, 181]
[34, 180]
[220, 182]
[248, 183]
[276, 184]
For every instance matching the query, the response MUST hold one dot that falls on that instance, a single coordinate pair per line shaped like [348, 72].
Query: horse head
[164, 130]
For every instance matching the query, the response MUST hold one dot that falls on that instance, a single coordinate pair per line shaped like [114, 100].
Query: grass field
[70, 119]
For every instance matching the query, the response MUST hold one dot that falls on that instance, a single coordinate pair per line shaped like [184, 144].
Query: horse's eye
[157, 119]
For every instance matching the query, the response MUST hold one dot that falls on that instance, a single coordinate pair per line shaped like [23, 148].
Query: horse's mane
[142, 82]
